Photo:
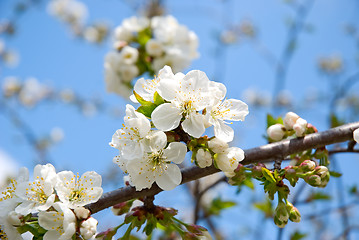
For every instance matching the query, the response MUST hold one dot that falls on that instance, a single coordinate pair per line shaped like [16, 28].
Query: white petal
[175, 152]
[52, 235]
[121, 162]
[141, 174]
[223, 131]
[169, 178]
[25, 207]
[194, 125]
[48, 220]
[49, 202]
[356, 135]
[90, 179]
[196, 80]
[168, 88]
[166, 117]
[155, 141]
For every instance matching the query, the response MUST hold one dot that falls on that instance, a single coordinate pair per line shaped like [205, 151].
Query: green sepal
[147, 110]
[157, 99]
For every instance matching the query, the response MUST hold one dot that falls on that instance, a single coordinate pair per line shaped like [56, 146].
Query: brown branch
[265, 153]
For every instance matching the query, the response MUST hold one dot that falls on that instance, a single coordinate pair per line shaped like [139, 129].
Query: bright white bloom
[276, 132]
[186, 97]
[61, 224]
[147, 88]
[129, 27]
[88, 228]
[8, 202]
[156, 163]
[10, 86]
[74, 191]
[129, 139]
[37, 195]
[356, 135]
[154, 48]
[128, 71]
[228, 161]
[217, 145]
[70, 11]
[203, 158]
[32, 92]
[129, 55]
[229, 109]
[300, 127]
[289, 120]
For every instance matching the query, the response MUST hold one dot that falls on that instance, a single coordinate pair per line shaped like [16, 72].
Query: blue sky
[50, 53]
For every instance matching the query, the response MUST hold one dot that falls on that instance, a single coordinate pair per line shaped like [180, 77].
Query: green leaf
[146, 110]
[268, 175]
[218, 205]
[271, 120]
[265, 207]
[157, 99]
[335, 174]
[249, 183]
[142, 101]
[298, 235]
[335, 121]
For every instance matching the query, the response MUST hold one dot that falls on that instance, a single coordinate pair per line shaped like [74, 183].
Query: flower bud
[307, 165]
[325, 180]
[279, 223]
[121, 208]
[300, 127]
[321, 171]
[289, 120]
[313, 180]
[203, 158]
[294, 215]
[257, 171]
[14, 218]
[356, 135]
[276, 132]
[88, 228]
[217, 146]
[81, 213]
[281, 212]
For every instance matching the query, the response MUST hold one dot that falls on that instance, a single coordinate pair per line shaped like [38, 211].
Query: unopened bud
[356, 135]
[300, 127]
[217, 146]
[257, 171]
[313, 180]
[281, 212]
[82, 213]
[307, 165]
[325, 180]
[289, 120]
[88, 228]
[14, 218]
[294, 215]
[276, 132]
[203, 158]
[321, 171]
[279, 223]
[121, 208]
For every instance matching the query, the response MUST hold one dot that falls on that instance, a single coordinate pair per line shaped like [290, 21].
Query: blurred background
[275, 55]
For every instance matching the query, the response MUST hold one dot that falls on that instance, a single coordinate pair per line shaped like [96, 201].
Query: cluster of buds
[292, 124]
[284, 212]
[151, 217]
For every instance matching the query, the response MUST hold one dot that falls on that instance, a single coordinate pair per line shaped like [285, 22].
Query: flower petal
[155, 141]
[194, 125]
[166, 117]
[223, 131]
[169, 178]
[175, 152]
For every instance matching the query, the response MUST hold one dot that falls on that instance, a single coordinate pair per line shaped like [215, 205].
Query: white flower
[228, 160]
[32, 92]
[300, 127]
[60, 224]
[289, 120]
[88, 228]
[10, 86]
[217, 145]
[74, 191]
[155, 164]
[37, 195]
[186, 97]
[154, 48]
[129, 139]
[356, 135]
[276, 132]
[147, 88]
[8, 202]
[203, 158]
[129, 55]
[128, 72]
[229, 109]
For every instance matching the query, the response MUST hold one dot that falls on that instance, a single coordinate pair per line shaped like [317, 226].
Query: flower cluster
[145, 45]
[181, 107]
[290, 125]
[29, 92]
[58, 198]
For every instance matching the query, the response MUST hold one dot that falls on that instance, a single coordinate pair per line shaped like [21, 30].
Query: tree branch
[265, 153]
